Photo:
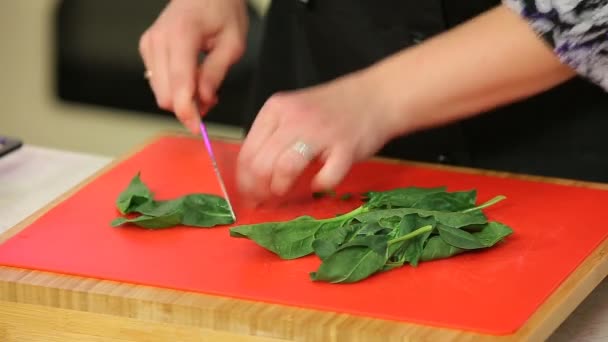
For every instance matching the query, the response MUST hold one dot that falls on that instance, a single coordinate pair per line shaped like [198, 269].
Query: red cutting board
[491, 292]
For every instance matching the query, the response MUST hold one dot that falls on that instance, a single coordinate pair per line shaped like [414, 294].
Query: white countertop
[31, 177]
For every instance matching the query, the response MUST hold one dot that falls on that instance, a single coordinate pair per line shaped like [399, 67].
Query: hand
[339, 123]
[171, 46]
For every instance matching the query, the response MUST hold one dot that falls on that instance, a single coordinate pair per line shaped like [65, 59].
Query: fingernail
[193, 125]
[207, 94]
[183, 98]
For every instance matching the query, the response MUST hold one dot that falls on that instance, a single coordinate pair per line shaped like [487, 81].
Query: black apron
[561, 132]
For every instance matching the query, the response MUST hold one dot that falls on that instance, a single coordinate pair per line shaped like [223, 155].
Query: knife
[205, 136]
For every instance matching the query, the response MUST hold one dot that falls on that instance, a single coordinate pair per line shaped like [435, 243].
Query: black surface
[97, 60]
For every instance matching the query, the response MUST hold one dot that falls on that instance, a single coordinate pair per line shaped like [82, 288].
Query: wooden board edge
[214, 312]
[569, 295]
[27, 322]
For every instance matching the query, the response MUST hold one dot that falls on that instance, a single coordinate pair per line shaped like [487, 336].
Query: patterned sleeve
[577, 30]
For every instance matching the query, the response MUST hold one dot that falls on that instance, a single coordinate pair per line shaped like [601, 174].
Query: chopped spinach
[195, 210]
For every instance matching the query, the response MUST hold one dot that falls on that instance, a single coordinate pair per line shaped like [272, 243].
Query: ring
[148, 74]
[303, 149]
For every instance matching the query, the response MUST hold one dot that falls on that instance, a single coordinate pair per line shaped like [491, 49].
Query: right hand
[171, 46]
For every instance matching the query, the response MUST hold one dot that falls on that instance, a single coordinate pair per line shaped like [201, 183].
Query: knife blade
[218, 175]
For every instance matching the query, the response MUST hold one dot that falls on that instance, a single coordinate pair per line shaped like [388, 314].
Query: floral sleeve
[576, 29]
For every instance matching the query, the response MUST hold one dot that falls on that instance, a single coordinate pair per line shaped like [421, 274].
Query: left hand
[339, 123]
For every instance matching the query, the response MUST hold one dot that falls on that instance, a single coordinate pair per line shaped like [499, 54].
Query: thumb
[334, 170]
[220, 58]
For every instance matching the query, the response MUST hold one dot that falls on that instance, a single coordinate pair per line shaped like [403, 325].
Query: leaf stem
[485, 205]
[413, 234]
[346, 216]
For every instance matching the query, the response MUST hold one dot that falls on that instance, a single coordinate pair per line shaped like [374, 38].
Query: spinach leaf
[353, 261]
[398, 198]
[392, 228]
[324, 246]
[201, 210]
[151, 222]
[436, 248]
[321, 194]
[452, 219]
[447, 201]
[135, 195]
[459, 238]
[289, 239]
[490, 234]
[155, 215]
[195, 210]
[414, 250]
[408, 244]
[292, 239]
[390, 222]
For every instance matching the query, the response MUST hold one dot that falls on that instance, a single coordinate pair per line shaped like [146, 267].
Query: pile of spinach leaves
[195, 210]
[389, 230]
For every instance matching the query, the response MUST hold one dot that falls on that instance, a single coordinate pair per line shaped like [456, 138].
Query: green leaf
[399, 198]
[414, 250]
[410, 250]
[489, 235]
[452, 219]
[156, 215]
[459, 238]
[412, 222]
[151, 222]
[321, 194]
[447, 201]
[391, 222]
[324, 248]
[161, 208]
[353, 261]
[135, 195]
[436, 248]
[195, 210]
[492, 233]
[202, 210]
[381, 235]
[325, 245]
[288, 239]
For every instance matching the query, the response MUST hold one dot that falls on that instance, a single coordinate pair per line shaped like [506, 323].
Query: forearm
[489, 61]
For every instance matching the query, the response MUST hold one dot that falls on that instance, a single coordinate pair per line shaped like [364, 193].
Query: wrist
[395, 95]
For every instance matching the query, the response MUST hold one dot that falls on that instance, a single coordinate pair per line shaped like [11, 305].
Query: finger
[226, 51]
[338, 164]
[258, 182]
[145, 50]
[182, 77]
[264, 125]
[160, 74]
[288, 167]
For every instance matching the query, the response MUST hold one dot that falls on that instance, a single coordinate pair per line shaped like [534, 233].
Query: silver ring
[148, 74]
[303, 149]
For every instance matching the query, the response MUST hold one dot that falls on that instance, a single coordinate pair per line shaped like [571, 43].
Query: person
[517, 85]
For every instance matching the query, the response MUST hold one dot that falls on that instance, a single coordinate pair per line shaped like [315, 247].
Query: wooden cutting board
[69, 257]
